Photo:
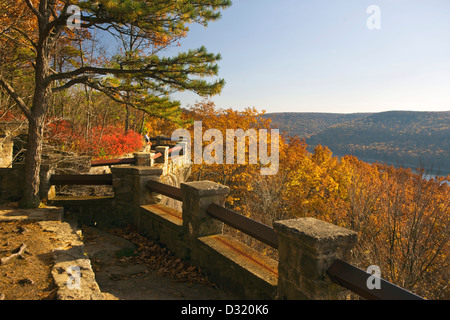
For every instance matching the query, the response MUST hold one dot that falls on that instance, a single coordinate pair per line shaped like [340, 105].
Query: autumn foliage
[104, 142]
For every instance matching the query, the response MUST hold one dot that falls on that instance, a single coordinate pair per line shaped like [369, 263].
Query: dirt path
[27, 276]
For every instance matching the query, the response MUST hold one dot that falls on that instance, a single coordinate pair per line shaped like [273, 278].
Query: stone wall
[191, 233]
[13, 128]
[88, 210]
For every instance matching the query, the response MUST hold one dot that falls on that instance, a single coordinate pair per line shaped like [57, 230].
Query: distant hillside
[305, 124]
[401, 138]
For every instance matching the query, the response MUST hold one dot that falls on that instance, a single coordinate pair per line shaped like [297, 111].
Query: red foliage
[10, 116]
[103, 143]
[114, 142]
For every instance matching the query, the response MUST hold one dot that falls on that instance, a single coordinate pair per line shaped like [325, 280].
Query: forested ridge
[305, 124]
[401, 138]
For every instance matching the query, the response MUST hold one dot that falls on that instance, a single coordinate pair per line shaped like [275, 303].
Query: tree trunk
[31, 197]
[127, 118]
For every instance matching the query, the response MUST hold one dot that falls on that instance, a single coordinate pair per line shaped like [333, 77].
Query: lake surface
[433, 174]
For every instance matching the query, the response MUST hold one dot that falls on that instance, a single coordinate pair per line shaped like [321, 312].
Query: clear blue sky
[320, 56]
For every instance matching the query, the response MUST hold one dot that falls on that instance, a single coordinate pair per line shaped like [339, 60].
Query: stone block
[142, 159]
[236, 267]
[197, 196]
[165, 154]
[307, 248]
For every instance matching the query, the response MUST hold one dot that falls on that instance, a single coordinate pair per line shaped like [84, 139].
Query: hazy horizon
[393, 110]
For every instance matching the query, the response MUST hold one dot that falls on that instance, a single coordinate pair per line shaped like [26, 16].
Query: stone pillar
[152, 161]
[165, 154]
[143, 159]
[131, 192]
[307, 248]
[197, 196]
[179, 157]
[164, 159]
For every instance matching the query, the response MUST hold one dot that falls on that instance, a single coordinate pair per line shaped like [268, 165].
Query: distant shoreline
[432, 174]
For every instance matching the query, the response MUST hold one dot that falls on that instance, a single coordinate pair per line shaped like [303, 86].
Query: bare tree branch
[34, 10]
[15, 97]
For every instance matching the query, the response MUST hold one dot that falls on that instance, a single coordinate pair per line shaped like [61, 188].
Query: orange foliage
[236, 176]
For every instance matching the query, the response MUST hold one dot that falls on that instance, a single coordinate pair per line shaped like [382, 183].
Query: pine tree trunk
[33, 155]
[31, 197]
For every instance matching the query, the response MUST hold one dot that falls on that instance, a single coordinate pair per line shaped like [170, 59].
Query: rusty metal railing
[166, 190]
[170, 151]
[112, 162]
[82, 180]
[249, 226]
[355, 279]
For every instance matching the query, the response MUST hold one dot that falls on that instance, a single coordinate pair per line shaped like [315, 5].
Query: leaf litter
[161, 259]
